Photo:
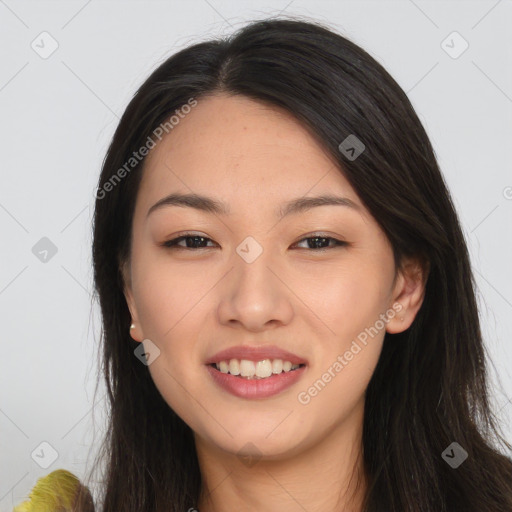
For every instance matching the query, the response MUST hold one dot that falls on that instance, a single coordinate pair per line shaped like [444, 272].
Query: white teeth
[259, 370]
[234, 367]
[264, 368]
[277, 366]
[247, 368]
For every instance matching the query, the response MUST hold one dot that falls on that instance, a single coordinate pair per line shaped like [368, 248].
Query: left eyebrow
[302, 204]
[211, 205]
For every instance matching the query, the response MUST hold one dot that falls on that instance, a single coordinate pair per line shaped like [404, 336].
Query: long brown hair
[430, 387]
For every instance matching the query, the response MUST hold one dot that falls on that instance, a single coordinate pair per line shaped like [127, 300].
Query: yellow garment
[57, 492]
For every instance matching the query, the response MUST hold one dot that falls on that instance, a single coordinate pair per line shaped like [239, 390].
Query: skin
[312, 303]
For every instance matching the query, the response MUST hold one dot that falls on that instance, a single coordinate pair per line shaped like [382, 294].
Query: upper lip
[255, 354]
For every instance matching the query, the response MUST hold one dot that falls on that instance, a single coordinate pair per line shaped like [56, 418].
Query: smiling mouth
[255, 370]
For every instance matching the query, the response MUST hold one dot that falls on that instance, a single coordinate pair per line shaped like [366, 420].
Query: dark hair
[430, 386]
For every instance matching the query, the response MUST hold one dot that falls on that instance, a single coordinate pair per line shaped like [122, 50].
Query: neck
[326, 476]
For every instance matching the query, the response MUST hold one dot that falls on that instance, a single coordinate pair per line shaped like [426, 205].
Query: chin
[248, 439]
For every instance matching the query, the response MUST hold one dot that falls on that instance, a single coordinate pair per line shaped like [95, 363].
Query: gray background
[58, 114]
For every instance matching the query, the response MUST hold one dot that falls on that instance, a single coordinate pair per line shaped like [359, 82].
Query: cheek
[348, 299]
[335, 393]
[349, 353]
[165, 293]
[171, 315]
[349, 304]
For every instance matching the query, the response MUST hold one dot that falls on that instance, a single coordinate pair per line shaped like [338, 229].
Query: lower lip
[256, 388]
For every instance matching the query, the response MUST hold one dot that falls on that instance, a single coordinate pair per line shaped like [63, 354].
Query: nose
[255, 295]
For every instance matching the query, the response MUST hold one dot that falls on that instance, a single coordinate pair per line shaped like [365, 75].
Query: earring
[132, 326]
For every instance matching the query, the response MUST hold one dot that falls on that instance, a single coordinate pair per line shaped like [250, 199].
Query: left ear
[408, 292]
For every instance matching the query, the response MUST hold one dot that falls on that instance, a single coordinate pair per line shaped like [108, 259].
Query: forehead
[238, 147]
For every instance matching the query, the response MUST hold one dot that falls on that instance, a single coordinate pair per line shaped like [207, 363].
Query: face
[317, 283]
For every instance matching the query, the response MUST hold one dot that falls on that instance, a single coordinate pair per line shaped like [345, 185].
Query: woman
[289, 315]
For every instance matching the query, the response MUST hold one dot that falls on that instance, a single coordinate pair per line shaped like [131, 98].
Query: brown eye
[321, 243]
[192, 241]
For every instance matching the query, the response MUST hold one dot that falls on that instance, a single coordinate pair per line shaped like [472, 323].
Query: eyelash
[172, 244]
